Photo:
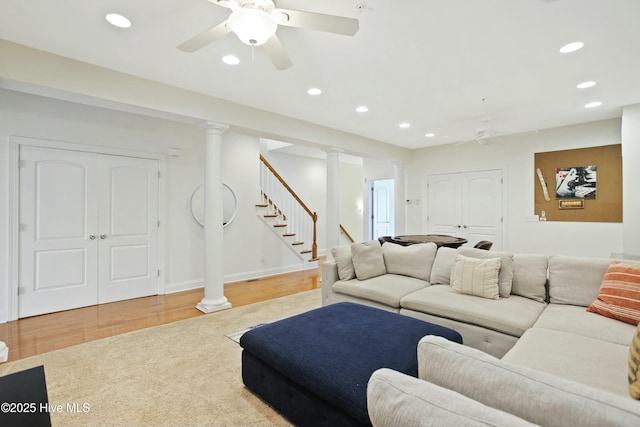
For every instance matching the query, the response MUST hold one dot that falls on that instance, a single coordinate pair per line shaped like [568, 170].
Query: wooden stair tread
[308, 251]
[279, 225]
[297, 243]
[288, 234]
[260, 205]
[270, 216]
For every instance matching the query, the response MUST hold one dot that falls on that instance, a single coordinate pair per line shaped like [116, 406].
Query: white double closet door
[88, 229]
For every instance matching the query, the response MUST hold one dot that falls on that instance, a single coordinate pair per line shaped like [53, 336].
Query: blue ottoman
[314, 367]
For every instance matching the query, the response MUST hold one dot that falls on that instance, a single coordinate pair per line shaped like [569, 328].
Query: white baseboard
[183, 286]
[238, 277]
[4, 317]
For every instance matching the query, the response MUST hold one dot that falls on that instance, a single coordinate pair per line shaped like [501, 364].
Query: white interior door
[382, 208]
[467, 205]
[58, 225]
[444, 214]
[128, 200]
[88, 229]
[482, 207]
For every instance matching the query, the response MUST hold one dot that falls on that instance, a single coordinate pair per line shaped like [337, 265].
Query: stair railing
[292, 213]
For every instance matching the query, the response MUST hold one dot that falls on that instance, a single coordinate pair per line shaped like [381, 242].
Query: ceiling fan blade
[203, 39]
[321, 22]
[277, 54]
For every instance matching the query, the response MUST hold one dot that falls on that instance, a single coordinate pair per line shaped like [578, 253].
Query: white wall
[631, 179]
[514, 155]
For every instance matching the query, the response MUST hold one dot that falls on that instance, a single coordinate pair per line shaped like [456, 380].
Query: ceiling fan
[255, 22]
[484, 134]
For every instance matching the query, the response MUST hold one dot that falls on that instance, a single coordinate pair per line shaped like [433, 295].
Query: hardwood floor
[40, 334]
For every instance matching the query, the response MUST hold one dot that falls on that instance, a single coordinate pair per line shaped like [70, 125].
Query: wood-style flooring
[39, 334]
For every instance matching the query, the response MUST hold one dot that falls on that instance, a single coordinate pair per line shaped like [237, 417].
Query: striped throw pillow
[477, 277]
[634, 365]
[619, 295]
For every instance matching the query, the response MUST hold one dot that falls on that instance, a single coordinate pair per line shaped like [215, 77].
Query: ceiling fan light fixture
[252, 26]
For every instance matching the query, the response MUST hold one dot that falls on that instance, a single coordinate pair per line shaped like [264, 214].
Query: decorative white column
[399, 200]
[333, 200]
[214, 298]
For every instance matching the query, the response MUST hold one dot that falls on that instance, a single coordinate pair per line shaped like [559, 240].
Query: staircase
[285, 214]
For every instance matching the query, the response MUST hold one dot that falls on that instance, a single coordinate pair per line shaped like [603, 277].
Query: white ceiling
[426, 62]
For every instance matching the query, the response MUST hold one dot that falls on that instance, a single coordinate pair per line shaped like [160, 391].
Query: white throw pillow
[506, 272]
[342, 256]
[367, 259]
[477, 277]
[413, 260]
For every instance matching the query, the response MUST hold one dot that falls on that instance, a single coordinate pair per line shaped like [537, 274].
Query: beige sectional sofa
[539, 325]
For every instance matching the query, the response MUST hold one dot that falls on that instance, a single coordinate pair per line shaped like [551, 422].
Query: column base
[211, 305]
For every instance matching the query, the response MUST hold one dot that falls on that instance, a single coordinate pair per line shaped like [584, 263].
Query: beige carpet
[181, 374]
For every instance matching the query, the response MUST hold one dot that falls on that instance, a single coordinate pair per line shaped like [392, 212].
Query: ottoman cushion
[332, 351]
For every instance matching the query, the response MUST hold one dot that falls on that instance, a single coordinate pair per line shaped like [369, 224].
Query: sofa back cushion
[536, 396]
[530, 276]
[367, 259]
[442, 266]
[505, 280]
[342, 256]
[413, 260]
[396, 399]
[575, 281]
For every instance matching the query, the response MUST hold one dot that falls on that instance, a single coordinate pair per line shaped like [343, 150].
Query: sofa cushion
[395, 399]
[574, 280]
[387, 289]
[633, 374]
[479, 277]
[506, 270]
[413, 260]
[342, 256]
[576, 320]
[443, 265]
[530, 276]
[619, 295]
[533, 395]
[589, 361]
[367, 259]
[511, 316]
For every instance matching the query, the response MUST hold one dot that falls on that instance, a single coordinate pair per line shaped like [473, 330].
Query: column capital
[333, 151]
[214, 127]
[398, 163]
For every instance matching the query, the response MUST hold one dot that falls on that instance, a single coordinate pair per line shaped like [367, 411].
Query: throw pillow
[506, 273]
[634, 365]
[413, 260]
[477, 277]
[367, 259]
[619, 295]
[342, 256]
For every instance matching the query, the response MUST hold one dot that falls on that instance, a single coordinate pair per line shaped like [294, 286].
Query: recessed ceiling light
[429, 135]
[314, 91]
[404, 125]
[571, 47]
[593, 104]
[230, 60]
[362, 109]
[585, 85]
[118, 20]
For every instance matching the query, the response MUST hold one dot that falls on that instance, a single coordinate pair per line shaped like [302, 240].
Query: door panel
[58, 213]
[128, 228]
[382, 203]
[445, 204]
[467, 205]
[88, 229]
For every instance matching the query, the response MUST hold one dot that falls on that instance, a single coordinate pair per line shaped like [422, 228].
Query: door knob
[465, 226]
[458, 226]
[92, 236]
[103, 236]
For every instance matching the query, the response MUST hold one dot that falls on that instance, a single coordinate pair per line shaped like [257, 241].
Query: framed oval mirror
[229, 205]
